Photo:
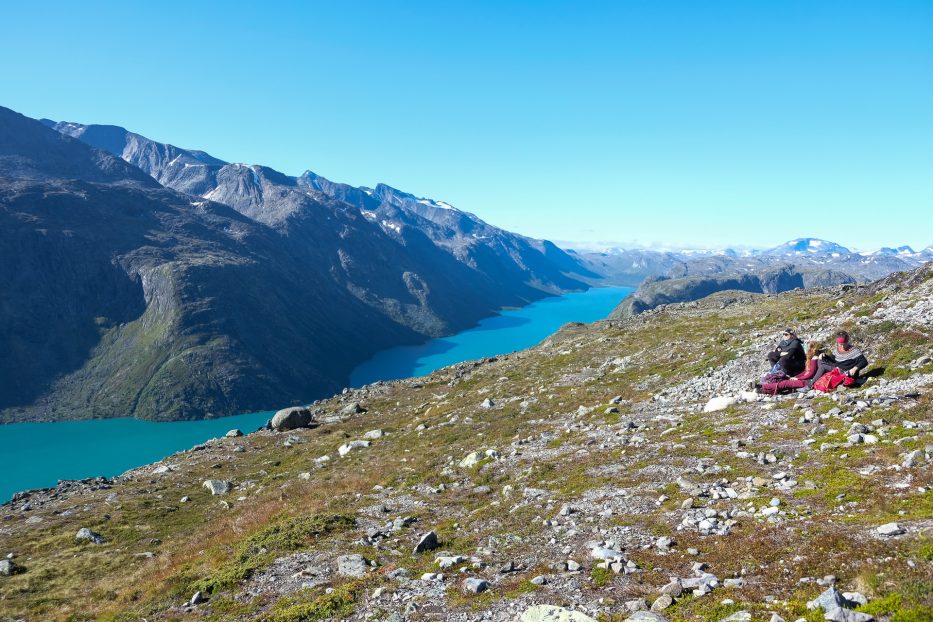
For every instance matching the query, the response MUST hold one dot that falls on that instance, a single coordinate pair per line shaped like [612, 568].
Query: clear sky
[695, 123]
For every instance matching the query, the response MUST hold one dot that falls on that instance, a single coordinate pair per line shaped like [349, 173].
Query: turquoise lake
[48, 452]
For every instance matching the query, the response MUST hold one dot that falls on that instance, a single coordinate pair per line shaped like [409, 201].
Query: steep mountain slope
[587, 475]
[232, 288]
[120, 297]
[495, 264]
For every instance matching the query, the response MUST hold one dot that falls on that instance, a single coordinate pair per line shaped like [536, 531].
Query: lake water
[39, 454]
[499, 334]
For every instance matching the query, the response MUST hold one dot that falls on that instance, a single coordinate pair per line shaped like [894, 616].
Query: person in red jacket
[845, 357]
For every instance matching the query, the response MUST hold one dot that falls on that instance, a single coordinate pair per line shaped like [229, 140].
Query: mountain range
[141, 279]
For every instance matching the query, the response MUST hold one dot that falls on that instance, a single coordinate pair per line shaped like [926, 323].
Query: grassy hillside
[597, 437]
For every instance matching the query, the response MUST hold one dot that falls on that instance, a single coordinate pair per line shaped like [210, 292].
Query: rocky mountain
[805, 262]
[511, 267]
[167, 284]
[807, 246]
[617, 471]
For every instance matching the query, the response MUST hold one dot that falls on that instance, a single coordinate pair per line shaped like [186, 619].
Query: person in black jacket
[845, 356]
[788, 356]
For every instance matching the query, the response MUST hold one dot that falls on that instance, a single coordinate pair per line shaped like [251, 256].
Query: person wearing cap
[845, 356]
[788, 356]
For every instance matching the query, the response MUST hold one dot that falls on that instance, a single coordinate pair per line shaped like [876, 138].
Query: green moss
[339, 602]
[258, 550]
[601, 576]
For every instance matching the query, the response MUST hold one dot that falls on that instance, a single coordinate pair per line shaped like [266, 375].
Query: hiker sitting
[797, 382]
[788, 357]
[845, 357]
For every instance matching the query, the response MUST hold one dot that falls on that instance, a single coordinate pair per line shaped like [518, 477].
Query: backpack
[773, 377]
[832, 379]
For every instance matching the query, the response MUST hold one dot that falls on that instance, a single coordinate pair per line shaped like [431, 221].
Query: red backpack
[832, 379]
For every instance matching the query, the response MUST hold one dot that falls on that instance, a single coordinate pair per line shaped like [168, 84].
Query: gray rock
[353, 409]
[662, 602]
[352, 565]
[738, 616]
[234, 433]
[346, 448]
[292, 419]
[9, 568]
[841, 614]
[606, 554]
[890, 529]
[646, 616]
[829, 600]
[196, 599]
[539, 580]
[86, 534]
[855, 597]
[374, 434]
[674, 589]
[428, 542]
[550, 613]
[217, 486]
[449, 561]
[475, 586]
[638, 604]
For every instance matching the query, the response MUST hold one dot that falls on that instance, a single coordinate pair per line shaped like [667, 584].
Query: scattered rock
[352, 565]
[8, 568]
[473, 585]
[91, 536]
[550, 613]
[890, 529]
[428, 542]
[348, 447]
[829, 600]
[841, 614]
[662, 602]
[719, 403]
[217, 486]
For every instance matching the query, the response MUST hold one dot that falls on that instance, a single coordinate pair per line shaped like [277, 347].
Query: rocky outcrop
[665, 290]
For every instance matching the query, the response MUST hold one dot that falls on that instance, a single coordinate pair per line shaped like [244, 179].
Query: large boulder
[292, 419]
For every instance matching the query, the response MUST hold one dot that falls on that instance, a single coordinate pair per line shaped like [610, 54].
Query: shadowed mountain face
[452, 264]
[168, 284]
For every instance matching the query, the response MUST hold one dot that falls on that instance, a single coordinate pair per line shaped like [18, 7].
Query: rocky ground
[618, 471]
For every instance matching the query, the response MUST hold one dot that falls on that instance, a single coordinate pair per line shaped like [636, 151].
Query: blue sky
[686, 123]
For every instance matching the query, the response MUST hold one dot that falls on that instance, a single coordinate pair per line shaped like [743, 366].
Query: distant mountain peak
[808, 246]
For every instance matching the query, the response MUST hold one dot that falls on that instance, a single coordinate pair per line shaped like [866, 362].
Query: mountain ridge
[214, 307]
